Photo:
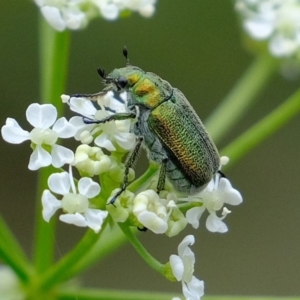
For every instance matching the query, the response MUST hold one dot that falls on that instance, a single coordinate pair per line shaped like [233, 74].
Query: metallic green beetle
[167, 125]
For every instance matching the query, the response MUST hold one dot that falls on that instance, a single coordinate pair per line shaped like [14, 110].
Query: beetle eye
[122, 82]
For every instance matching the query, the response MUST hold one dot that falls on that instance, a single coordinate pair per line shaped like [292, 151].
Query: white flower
[182, 266]
[106, 133]
[62, 14]
[122, 209]
[277, 21]
[43, 138]
[75, 202]
[110, 9]
[150, 212]
[218, 192]
[158, 215]
[91, 160]
[10, 288]
[75, 14]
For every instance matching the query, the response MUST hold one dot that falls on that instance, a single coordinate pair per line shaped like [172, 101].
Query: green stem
[141, 250]
[137, 184]
[8, 240]
[93, 294]
[12, 254]
[113, 238]
[263, 129]
[54, 49]
[59, 272]
[243, 95]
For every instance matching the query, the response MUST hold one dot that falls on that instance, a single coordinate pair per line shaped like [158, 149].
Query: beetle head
[123, 78]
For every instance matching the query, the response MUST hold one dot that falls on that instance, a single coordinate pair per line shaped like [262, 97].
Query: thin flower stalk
[264, 128]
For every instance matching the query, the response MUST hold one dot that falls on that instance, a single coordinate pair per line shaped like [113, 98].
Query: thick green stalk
[141, 250]
[263, 129]
[54, 49]
[241, 97]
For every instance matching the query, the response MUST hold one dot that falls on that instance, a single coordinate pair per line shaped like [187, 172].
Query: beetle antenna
[125, 53]
[101, 72]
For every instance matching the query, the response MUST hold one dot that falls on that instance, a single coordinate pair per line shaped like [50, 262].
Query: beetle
[166, 125]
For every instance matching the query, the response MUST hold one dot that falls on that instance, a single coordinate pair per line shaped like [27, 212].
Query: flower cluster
[275, 21]
[75, 14]
[99, 157]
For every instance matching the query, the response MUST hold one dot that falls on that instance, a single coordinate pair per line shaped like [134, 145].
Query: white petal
[54, 18]
[215, 224]
[77, 122]
[41, 115]
[147, 11]
[126, 140]
[193, 215]
[95, 218]
[177, 266]
[188, 240]
[151, 221]
[80, 126]
[259, 29]
[109, 11]
[13, 133]
[50, 205]
[116, 104]
[88, 187]
[61, 155]
[282, 46]
[75, 19]
[59, 183]
[193, 290]
[83, 107]
[39, 158]
[103, 142]
[229, 194]
[76, 219]
[64, 129]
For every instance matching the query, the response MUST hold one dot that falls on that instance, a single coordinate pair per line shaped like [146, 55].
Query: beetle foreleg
[92, 97]
[128, 164]
[114, 117]
[162, 176]
[222, 175]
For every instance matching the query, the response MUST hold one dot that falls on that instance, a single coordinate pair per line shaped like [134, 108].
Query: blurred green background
[196, 46]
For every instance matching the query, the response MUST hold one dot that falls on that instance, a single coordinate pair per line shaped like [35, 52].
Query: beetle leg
[128, 164]
[222, 175]
[162, 176]
[92, 97]
[114, 117]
